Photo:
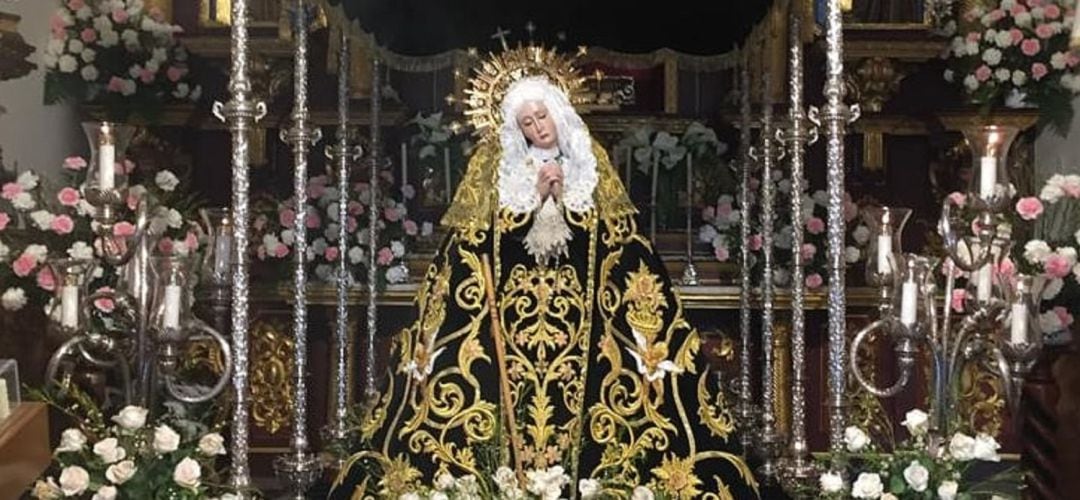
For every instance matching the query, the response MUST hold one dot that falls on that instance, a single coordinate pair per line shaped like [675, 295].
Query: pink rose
[312, 220]
[957, 198]
[386, 256]
[1029, 208]
[68, 197]
[62, 224]
[1052, 11]
[165, 246]
[391, 214]
[123, 229]
[104, 304]
[74, 163]
[1057, 266]
[708, 214]
[351, 224]
[331, 254]
[76, 4]
[410, 228]
[191, 241]
[88, 35]
[280, 251]
[1038, 70]
[355, 208]
[808, 251]
[11, 190]
[24, 265]
[146, 76]
[1016, 35]
[1029, 47]
[175, 74]
[1044, 31]
[983, 73]
[119, 15]
[5, 219]
[722, 254]
[1018, 8]
[814, 281]
[958, 296]
[46, 280]
[115, 84]
[1064, 317]
[755, 242]
[815, 225]
[287, 218]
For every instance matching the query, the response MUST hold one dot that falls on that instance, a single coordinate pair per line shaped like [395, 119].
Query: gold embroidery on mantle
[272, 363]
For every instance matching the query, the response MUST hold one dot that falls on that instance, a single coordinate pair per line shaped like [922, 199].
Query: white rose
[444, 481]
[166, 180]
[397, 248]
[992, 56]
[131, 417]
[89, 73]
[67, 63]
[868, 485]
[121, 472]
[109, 450]
[947, 490]
[71, 440]
[962, 447]
[42, 219]
[128, 87]
[831, 482]
[986, 448]
[916, 476]
[74, 480]
[187, 473]
[855, 439]
[642, 493]
[917, 422]
[505, 479]
[212, 444]
[13, 299]
[166, 440]
[589, 488]
[47, 489]
[105, 493]
[88, 55]
[888, 496]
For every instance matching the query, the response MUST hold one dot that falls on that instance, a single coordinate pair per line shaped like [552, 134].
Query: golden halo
[493, 77]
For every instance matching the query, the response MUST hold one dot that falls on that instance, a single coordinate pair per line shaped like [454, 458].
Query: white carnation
[130, 37]
[84, 13]
[102, 23]
[76, 46]
[1003, 74]
[1057, 61]
[13, 299]
[68, 63]
[356, 255]
[971, 47]
[427, 228]
[88, 55]
[851, 255]
[182, 90]
[43, 219]
[288, 236]
[1049, 322]
[1019, 77]
[861, 234]
[949, 75]
[970, 82]
[1036, 251]
[50, 60]
[89, 73]
[166, 180]
[39, 252]
[55, 47]
[397, 248]
[397, 274]
[707, 233]
[1023, 19]
[4, 251]
[109, 38]
[1003, 39]
[128, 87]
[27, 180]
[992, 56]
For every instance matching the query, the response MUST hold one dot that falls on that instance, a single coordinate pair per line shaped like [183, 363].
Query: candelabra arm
[111, 251]
[905, 358]
[69, 347]
[978, 257]
[226, 352]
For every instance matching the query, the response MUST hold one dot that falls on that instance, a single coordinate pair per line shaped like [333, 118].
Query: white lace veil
[517, 182]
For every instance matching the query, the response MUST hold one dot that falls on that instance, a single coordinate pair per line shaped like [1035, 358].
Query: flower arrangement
[118, 54]
[274, 237]
[722, 229]
[918, 467]
[440, 152]
[541, 484]
[130, 455]
[1017, 52]
[40, 218]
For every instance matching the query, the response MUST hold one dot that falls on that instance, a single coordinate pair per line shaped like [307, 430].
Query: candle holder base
[298, 470]
[690, 273]
[798, 474]
[768, 444]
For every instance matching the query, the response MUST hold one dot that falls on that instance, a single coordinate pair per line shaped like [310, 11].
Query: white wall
[36, 136]
[1056, 154]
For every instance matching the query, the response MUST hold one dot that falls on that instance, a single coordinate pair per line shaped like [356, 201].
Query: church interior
[764, 249]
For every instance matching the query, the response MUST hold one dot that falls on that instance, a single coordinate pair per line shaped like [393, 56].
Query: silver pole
[373, 219]
[299, 467]
[240, 113]
[746, 395]
[768, 216]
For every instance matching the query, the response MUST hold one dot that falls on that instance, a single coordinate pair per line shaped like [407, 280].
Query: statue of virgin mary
[551, 357]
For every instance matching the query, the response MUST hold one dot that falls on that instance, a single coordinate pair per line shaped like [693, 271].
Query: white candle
[446, 167]
[987, 176]
[5, 407]
[983, 284]
[1018, 329]
[404, 165]
[106, 167]
[69, 306]
[884, 251]
[172, 306]
[222, 253]
[909, 303]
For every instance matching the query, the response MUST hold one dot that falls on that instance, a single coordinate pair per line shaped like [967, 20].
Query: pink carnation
[983, 73]
[1063, 315]
[11, 190]
[957, 198]
[1029, 208]
[191, 241]
[123, 229]
[5, 219]
[974, 37]
[755, 242]
[331, 254]
[104, 304]
[1044, 31]
[62, 224]
[808, 251]
[814, 281]
[74, 163]
[146, 76]
[88, 35]
[1016, 35]
[815, 225]
[1029, 47]
[1052, 11]
[351, 224]
[120, 15]
[313, 221]
[1071, 186]
[127, 167]
[316, 190]
[45, 279]
[116, 84]
[260, 252]
[355, 208]
[260, 222]
[1007, 269]
[958, 296]
[722, 254]
[175, 74]
[1017, 8]
[1057, 266]
[24, 265]
[69, 197]
[1038, 70]
[281, 250]
[386, 256]
[1071, 59]
[132, 201]
[76, 4]
[392, 214]
[56, 24]
[287, 218]
[410, 228]
[165, 246]
[724, 210]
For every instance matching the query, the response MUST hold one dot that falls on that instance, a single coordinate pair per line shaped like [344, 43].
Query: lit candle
[404, 165]
[69, 306]
[909, 303]
[1018, 329]
[172, 306]
[106, 160]
[884, 251]
[987, 176]
[983, 284]
[446, 167]
[5, 407]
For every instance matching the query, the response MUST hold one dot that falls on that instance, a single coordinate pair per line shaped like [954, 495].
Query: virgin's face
[537, 125]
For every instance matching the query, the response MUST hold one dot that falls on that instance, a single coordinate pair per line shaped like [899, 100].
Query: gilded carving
[271, 366]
